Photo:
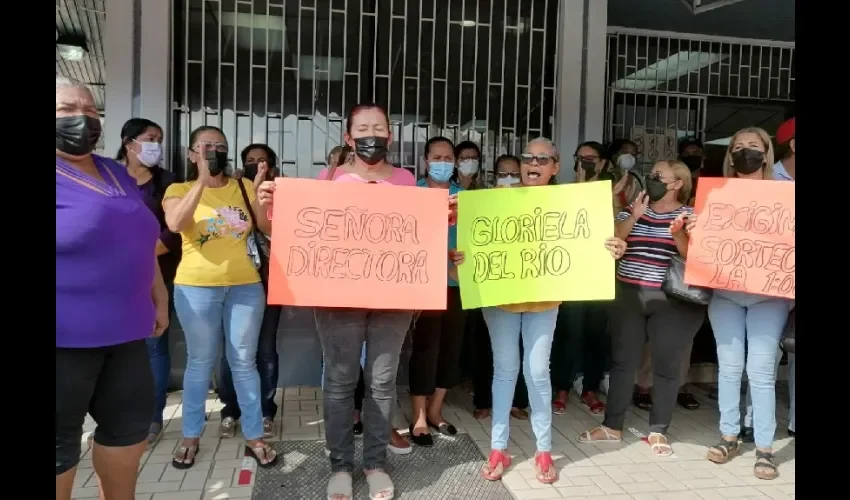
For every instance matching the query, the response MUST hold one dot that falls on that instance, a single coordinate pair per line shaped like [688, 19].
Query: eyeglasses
[542, 159]
[592, 159]
[207, 146]
[505, 175]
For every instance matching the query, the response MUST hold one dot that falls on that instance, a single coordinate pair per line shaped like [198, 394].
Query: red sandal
[545, 467]
[495, 466]
[559, 404]
[590, 400]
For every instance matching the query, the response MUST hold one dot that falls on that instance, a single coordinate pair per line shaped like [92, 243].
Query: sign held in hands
[535, 244]
[358, 245]
[744, 237]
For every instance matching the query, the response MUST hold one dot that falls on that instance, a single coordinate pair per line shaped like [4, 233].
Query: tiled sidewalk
[619, 471]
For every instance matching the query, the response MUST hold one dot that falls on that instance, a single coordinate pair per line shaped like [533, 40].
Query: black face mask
[693, 162]
[655, 188]
[747, 161]
[371, 149]
[589, 168]
[217, 161]
[77, 135]
[249, 170]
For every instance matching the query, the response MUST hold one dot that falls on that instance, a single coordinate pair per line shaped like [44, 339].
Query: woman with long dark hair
[141, 152]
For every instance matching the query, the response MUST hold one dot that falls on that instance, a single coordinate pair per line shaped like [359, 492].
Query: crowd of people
[134, 243]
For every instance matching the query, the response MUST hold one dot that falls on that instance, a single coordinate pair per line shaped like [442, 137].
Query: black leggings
[642, 315]
[581, 343]
[437, 339]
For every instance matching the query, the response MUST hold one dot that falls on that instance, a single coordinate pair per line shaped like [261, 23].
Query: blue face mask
[441, 171]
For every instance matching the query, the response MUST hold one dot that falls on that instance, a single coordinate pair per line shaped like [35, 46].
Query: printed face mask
[747, 161]
[655, 188]
[626, 161]
[77, 135]
[151, 153]
[468, 167]
[371, 149]
[440, 171]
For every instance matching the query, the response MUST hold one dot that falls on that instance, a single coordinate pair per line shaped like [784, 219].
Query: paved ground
[619, 471]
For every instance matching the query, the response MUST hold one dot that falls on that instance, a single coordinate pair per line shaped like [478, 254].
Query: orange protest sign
[744, 237]
[348, 244]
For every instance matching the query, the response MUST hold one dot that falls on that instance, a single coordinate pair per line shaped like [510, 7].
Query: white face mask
[468, 167]
[507, 181]
[151, 153]
[626, 161]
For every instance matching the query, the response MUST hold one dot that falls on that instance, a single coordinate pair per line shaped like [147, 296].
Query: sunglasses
[542, 159]
[505, 175]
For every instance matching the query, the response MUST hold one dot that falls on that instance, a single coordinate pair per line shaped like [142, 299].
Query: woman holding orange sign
[747, 328]
[343, 331]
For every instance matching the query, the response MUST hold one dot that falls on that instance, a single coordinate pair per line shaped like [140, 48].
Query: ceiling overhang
[702, 6]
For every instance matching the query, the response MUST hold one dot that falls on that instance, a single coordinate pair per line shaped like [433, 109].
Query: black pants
[115, 385]
[581, 344]
[437, 339]
[482, 379]
[642, 315]
[267, 365]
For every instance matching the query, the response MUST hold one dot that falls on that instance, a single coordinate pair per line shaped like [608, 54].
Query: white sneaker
[577, 385]
[400, 451]
[606, 382]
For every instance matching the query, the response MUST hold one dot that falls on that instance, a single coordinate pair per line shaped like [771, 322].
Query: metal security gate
[688, 84]
[655, 121]
[286, 72]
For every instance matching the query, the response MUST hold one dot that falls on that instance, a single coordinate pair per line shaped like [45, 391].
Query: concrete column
[595, 56]
[154, 68]
[119, 54]
[580, 105]
[569, 83]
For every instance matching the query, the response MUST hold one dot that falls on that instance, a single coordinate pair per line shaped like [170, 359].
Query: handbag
[259, 246]
[674, 285]
[788, 342]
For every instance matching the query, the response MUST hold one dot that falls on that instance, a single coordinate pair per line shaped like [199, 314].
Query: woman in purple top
[110, 297]
[141, 152]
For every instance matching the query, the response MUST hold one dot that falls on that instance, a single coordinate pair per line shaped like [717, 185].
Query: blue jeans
[537, 330]
[267, 365]
[748, 417]
[207, 315]
[160, 359]
[738, 318]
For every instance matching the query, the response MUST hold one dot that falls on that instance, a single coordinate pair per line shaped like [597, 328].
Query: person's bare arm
[624, 227]
[263, 222]
[180, 212]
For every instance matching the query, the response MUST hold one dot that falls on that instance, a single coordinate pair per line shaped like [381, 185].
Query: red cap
[785, 132]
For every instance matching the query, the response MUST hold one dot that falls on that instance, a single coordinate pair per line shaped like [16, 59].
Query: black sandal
[642, 400]
[765, 468]
[426, 440]
[266, 450]
[182, 454]
[723, 451]
[687, 401]
[443, 428]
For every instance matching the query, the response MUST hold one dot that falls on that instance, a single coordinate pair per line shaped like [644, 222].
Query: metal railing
[285, 73]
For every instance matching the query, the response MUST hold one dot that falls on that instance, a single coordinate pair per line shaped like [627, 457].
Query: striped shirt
[650, 247]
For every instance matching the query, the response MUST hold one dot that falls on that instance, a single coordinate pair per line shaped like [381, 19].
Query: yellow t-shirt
[215, 248]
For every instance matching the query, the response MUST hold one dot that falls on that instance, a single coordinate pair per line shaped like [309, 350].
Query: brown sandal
[723, 451]
[260, 453]
[587, 436]
[184, 457]
[765, 468]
